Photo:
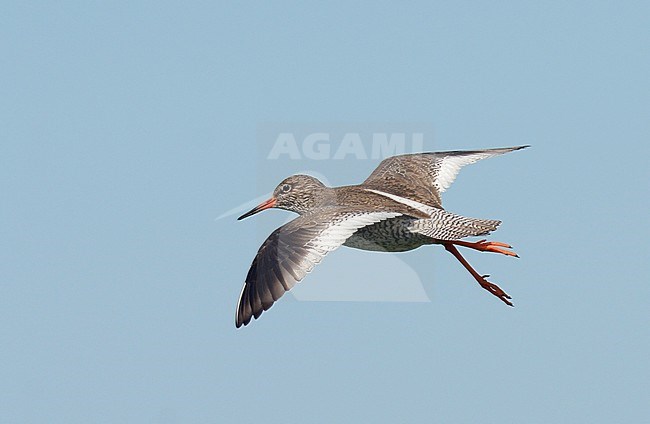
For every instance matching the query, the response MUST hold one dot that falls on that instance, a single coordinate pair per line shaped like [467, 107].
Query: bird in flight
[396, 209]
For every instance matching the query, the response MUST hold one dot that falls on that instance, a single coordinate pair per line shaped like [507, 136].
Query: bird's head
[297, 193]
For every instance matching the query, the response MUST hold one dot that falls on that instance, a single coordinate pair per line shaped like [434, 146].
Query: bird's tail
[445, 225]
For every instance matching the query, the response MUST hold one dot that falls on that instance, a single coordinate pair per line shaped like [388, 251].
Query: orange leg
[486, 246]
[491, 287]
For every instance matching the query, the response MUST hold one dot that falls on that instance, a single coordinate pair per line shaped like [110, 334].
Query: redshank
[397, 208]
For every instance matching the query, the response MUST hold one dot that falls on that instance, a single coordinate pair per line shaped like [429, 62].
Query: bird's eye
[286, 188]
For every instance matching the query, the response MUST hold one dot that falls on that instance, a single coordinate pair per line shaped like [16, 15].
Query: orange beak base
[259, 208]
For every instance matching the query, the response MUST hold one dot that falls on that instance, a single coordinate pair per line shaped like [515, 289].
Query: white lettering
[318, 146]
[316, 151]
[351, 144]
[384, 146]
[285, 144]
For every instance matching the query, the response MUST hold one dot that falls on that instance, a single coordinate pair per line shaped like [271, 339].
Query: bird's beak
[259, 208]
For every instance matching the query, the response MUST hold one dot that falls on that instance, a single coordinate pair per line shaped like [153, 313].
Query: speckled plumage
[397, 208]
[389, 235]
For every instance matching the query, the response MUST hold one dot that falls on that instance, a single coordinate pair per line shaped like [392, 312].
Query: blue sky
[128, 127]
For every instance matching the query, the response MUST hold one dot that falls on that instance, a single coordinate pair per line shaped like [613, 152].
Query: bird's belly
[391, 235]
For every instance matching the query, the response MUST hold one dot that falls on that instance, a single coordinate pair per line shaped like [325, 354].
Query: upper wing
[423, 176]
[292, 251]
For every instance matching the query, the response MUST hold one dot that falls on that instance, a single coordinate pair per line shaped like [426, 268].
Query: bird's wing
[292, 251]
[423, 176]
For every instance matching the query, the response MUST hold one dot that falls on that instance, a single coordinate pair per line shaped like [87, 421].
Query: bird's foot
[488, 246]
[494, 289]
